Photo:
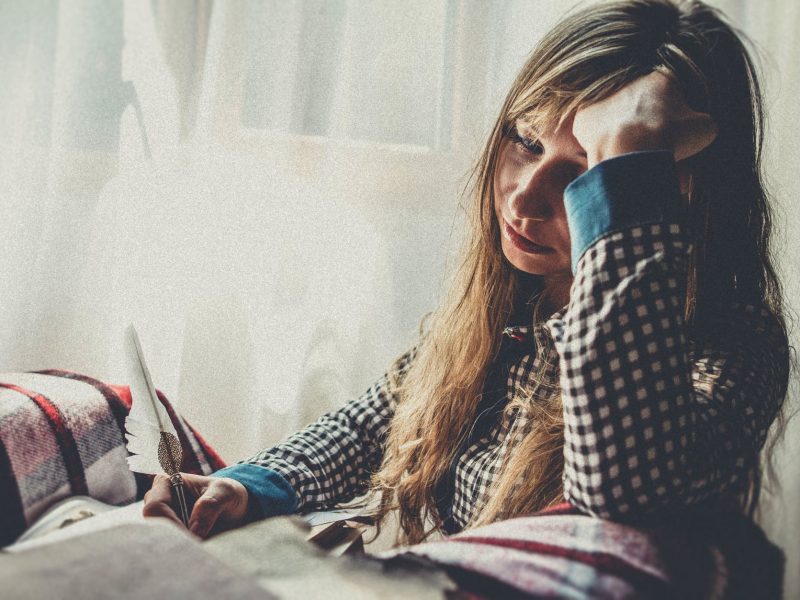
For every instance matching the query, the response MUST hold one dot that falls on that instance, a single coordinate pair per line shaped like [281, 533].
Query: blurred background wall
[270, 190]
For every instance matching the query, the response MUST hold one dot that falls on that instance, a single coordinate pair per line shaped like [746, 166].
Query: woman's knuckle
[207, 503]
[151, 510]
[223, 486]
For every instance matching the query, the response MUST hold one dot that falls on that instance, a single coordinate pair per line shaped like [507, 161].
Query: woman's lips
[522, 242]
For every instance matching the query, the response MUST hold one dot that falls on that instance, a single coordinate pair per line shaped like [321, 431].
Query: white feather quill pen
[153, 443]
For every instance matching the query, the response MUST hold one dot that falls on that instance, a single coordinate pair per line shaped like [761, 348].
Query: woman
[614, 336]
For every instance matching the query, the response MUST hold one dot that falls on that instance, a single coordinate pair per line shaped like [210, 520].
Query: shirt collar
[538, 335]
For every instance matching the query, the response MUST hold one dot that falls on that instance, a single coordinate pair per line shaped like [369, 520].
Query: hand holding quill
[153, 443]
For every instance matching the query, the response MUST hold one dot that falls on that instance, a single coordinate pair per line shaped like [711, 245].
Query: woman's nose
[534, 194]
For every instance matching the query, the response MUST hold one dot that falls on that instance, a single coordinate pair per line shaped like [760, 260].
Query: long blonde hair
[591, 54]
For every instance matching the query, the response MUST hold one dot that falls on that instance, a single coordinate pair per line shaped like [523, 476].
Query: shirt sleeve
[653, 424]
[328, 462]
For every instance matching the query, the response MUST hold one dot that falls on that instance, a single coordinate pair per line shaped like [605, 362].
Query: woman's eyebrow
[527, 129]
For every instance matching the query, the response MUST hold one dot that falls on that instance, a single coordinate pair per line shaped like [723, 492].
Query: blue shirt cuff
[269, 494]
[628, 190]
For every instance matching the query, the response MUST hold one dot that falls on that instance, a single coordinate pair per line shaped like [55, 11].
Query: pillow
[62, 434]
[704, 552]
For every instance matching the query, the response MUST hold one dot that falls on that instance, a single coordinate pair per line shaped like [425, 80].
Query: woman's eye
[524, 143]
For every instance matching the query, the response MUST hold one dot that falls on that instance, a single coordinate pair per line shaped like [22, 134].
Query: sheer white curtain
[270, 190]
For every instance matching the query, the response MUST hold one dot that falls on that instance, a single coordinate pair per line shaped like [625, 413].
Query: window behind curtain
[375, 71]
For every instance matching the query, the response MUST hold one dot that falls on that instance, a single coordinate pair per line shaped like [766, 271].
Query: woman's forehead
[544, 116]
[533, 125]
[527, 127]
[546, 123]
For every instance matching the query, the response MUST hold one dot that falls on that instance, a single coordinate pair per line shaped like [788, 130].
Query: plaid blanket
[62, 434]
[561, 553]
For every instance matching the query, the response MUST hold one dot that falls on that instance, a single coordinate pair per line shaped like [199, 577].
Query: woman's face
[532, 172]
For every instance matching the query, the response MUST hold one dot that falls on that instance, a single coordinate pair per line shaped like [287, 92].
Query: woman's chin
[542, 263]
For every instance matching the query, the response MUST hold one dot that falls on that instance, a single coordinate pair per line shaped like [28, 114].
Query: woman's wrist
[636, 188]
[626, 139]
[268, 492]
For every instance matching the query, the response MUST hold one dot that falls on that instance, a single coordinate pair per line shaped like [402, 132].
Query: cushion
[560, 552]
[62, 434]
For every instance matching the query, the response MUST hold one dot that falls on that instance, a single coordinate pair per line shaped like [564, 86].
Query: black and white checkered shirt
[652, 420]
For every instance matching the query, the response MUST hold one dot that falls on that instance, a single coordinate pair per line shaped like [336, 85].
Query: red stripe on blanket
[12, 513]
[115, 403]
[119, 408]
[66, 442]
[212, 458]
[602, 561]
[565, 508]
